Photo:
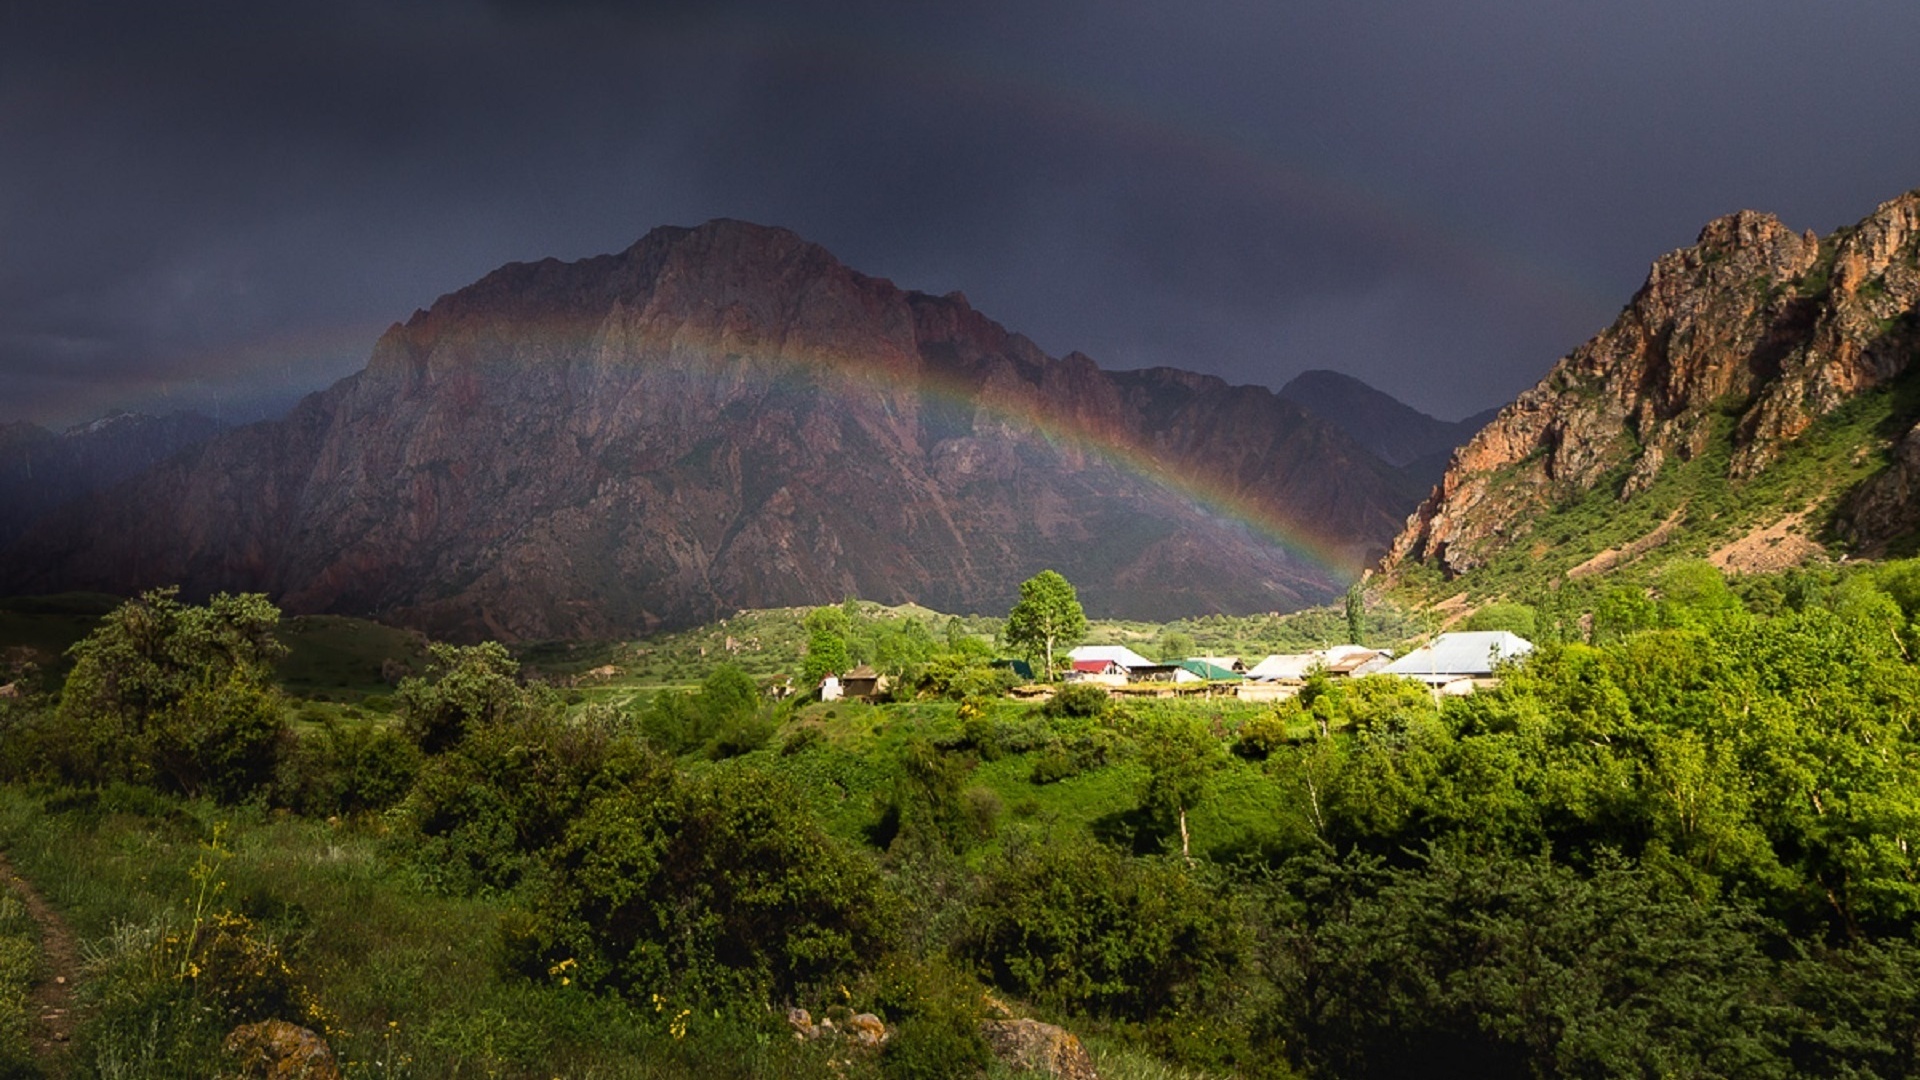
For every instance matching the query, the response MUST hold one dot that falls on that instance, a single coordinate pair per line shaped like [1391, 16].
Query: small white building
[1119, 654]
[830, 688]
[1450, 659]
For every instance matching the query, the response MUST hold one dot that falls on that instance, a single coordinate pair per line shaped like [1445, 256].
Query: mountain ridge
[1739, 345]
[726, 416]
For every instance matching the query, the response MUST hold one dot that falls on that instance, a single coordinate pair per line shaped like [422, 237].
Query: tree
[1357, 612]
[467, 686]
[1181, 755]
[827, 631]
[176, 693]
[1047, 617]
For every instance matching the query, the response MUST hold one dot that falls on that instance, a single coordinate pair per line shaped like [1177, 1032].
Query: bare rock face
[727, 417]
[277, 1050]
[1755, 321]
[1038, 1047]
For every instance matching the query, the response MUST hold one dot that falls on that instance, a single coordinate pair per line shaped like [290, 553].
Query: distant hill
[1756, 403]
[1402, 436]
[727, 417]
[41, 470]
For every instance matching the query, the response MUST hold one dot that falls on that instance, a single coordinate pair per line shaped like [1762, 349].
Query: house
[830, 687]
[1230, 663]
[1102, 672]
[1335, 660]
[863, 682]
[1205, 668]
[1119, 654]
[1354, 660]
[1152, 672]
[1289, 667]
[1450, 660]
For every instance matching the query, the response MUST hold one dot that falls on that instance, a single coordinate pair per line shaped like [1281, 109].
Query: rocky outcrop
[1036, 1047]
[1755, 323]
[727, 417]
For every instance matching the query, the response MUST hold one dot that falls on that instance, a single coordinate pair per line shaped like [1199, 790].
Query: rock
[1030, 1044]
[1753, 318]
[868, 1029]
[277, 1050]
[801, 1021]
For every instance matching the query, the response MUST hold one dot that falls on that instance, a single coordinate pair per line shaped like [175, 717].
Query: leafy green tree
[710, 887]
[176, 693]
[1048, 617]
[1181, 756]
[1175, 646]
[1356, 611]
[828, 629]
[1078, 925]
[466, 686]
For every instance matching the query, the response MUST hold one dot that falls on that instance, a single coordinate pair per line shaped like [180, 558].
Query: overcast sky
[220, 206]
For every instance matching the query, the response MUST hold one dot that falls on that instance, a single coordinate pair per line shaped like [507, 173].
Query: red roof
[1093, 667]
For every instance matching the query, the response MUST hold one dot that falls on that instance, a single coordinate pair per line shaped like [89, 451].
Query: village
[1451, 665]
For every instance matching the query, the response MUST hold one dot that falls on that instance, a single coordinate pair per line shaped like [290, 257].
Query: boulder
[867, 1029]
[1032, 1045]
[277, 1050]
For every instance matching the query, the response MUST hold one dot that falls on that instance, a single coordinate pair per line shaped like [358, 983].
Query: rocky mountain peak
[727, 416]
[1755, 322]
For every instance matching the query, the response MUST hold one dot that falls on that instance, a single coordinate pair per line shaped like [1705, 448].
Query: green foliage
[827, 654]
[1511, 967]
[725, 717]
[1079, 926]
[346, 769]
[1520, 619]
[708, 887]
[1047, 620]
[173, 694]
[1083, 700]
[466, 686]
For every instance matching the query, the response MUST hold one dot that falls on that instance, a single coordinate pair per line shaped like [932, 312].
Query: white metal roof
[1460, 655]
[1119, 654]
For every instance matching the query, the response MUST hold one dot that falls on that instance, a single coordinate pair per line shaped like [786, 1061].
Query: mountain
[726, 417]
[1755, 403]
[41, 470]
[1402, 436]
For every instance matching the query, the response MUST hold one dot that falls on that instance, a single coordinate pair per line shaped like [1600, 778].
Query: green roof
[1209, 671]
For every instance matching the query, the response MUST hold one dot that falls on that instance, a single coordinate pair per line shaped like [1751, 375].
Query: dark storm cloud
[224, 203]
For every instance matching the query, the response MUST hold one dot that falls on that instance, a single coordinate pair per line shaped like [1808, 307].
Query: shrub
[1080, 926]
[1081, 699]
[712, 886]
[1261, 736]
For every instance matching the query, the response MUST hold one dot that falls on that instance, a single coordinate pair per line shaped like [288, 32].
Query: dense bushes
[169, 694]
[708, 887]
[1081, 927]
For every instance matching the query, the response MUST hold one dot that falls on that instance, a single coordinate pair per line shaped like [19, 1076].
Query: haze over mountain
[41, 470]
[727, 417]
[1402, 436]
[1728, 358]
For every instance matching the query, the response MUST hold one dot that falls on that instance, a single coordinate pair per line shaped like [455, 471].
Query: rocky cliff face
[1755, 322]
[41, 470]
[727, 417]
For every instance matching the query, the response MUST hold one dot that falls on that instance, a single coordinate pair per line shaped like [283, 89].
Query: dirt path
[52, 999]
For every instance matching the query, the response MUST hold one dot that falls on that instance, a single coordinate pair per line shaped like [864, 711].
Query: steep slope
[1399, 434]
[41, 470]
[727, 417]
[1755, 376]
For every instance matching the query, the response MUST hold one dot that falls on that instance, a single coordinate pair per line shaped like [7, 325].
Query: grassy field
[405, 981]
